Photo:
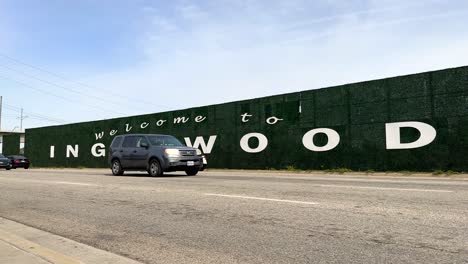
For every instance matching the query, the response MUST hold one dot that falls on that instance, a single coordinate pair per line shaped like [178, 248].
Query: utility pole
[22, 117]
[21, 123]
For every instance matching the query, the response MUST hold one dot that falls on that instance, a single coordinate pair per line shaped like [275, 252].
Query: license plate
[204, 161]
[190, 163]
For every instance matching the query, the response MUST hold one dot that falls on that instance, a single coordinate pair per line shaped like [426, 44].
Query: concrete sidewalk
[13, 255]
[21, 244]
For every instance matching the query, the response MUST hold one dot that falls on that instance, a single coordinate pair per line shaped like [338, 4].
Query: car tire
[8, 168]
[154, 168]
[27, 167]
[191, 172]
[117, 168]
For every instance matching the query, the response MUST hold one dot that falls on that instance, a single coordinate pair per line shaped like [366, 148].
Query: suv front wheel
[154, 169]
[191, 171]
[117, 168]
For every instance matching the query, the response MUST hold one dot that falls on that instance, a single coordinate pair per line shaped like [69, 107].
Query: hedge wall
[357, 112]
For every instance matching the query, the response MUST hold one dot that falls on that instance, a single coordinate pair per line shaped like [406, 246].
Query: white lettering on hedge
[98, 150]
[99, 135]
[200, 142]
[392, 134]
[160, 122]
[72, 150]
[128, 127]
[200, 119]
[262, 142]
[113, 132]
[144, 125]
[245, 117]
[182, 119]
[273, 120]
[52, 152]
[332, 135]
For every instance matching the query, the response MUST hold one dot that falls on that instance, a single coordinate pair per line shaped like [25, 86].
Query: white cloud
[204, 56]
[219, 51]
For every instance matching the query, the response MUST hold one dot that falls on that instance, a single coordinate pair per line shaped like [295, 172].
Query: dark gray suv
[153, 153]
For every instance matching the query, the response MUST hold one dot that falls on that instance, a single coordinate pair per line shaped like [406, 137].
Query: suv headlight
[172, 152]
[199, 152]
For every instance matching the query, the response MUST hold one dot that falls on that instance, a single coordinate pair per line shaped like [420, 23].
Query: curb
[53, 248]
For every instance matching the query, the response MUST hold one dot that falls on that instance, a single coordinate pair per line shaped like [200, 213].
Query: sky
[71, 61]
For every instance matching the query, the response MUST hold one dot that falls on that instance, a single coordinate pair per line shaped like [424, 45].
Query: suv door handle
[134, 151]
[121, 150]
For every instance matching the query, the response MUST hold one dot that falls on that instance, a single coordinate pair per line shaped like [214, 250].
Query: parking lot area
[245, 216]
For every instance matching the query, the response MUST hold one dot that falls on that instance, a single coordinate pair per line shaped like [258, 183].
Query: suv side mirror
[144, 145]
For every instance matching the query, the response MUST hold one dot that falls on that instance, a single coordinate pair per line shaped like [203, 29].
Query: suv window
[116, 142]
[129, 142]
[141, 140]
[164, 141]
[134, 141]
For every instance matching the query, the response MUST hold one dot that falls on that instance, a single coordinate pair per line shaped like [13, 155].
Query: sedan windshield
[164, 141]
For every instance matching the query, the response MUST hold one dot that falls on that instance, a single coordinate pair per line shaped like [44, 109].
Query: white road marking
[50, 182]
[72, 183]
[260, 198]
[383, 188]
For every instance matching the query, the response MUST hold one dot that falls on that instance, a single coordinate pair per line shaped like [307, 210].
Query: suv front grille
[188, 152]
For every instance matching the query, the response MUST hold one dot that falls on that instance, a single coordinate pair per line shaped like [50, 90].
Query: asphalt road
[237, 217]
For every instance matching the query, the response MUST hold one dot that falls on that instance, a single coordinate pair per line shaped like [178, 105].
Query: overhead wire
[58, 96]
[60, 86]
[34, 115]
[76, 82]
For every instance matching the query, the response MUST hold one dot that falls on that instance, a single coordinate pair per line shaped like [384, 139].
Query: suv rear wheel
[154, 168]
[117, 168]
[191, 172]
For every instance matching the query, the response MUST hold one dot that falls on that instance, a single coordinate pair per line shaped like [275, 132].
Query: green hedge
[358, 112]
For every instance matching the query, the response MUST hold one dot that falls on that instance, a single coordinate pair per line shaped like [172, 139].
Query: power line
[36, 116]
[58, 96]
[73, 81]
[60, 86]
[15, 116]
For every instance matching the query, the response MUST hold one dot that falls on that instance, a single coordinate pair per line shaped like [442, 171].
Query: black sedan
[5, 162]
[19, 162]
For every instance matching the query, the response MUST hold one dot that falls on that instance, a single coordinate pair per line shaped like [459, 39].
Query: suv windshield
[1, 156]
[164, 141]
